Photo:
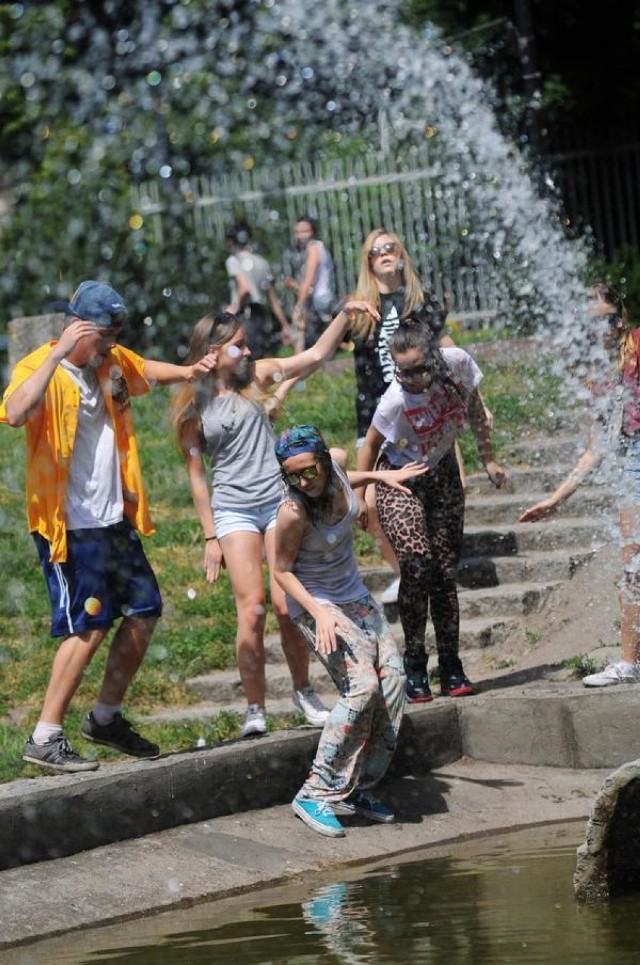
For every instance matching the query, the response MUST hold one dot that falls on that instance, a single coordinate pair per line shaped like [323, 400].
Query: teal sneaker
[318, 815]
[360, 802]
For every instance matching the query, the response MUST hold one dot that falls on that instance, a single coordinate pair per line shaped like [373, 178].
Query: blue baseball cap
[97, 302]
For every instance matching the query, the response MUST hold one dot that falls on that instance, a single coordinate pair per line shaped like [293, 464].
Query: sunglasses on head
[293, 478]
[417, 372]
[386, 249]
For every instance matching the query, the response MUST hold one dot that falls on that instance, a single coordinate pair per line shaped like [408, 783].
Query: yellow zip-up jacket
[50, 435]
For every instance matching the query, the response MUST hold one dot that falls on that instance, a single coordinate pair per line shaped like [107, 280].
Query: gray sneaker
[254, 721]
[57, 755]
[308, 701]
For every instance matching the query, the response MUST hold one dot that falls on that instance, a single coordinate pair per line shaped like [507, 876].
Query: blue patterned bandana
[299, 439]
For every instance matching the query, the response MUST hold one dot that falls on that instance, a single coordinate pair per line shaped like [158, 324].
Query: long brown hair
[210, 331]
[628, 351]
[367, 287]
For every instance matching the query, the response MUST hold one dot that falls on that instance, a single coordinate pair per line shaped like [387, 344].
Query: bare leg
[294, 647]
[630, 594]
[243, 553]
[70, 662]
[126, 653]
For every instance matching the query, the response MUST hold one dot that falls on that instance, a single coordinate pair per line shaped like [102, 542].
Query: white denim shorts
[248, 519]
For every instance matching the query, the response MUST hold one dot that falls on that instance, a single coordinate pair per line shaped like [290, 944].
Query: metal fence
[599, 191]
[348, 198]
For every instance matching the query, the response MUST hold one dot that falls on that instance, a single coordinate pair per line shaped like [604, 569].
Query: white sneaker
[390, 595]
[615, 673]
[255, 721]
[311, 706]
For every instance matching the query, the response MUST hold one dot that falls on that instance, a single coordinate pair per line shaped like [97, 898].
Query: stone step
[560, 449]
[206, 710]
[505, 507]
[496, 601]
[223, 687]
[521, 480]
[477, 571]
[549, 534]
[537, 566]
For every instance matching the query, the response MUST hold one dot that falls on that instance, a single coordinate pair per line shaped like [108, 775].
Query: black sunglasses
[293, 478]
[386, 249]
[417, 372]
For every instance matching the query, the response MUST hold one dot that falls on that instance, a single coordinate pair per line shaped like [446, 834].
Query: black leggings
[425, 529]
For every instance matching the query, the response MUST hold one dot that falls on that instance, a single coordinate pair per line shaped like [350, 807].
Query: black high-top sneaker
[453, 680]
[418, 691]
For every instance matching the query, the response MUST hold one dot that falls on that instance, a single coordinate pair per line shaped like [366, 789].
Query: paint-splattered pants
[361, 734]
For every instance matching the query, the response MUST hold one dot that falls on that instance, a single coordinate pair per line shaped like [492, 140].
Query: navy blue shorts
[105, 576]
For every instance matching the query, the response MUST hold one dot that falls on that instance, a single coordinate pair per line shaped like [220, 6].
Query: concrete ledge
[55, 817]
[563, 726]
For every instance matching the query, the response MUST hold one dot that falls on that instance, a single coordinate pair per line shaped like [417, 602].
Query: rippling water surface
[508, 898]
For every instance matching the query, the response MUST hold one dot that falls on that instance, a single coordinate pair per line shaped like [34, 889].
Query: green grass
[196, 633]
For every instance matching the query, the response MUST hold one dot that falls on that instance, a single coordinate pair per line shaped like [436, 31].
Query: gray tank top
[325, 564]
[240, 442]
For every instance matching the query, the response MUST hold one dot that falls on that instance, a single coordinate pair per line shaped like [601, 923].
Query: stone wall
[27, 333]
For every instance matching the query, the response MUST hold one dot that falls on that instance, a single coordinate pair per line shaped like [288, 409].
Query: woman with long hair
[316, 567]
[227, 418]
[389, 280]
[433, 394]
[614, 433]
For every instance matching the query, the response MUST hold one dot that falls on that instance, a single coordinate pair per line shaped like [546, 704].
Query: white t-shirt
[257, 272]
[94, 493]
[422, 426]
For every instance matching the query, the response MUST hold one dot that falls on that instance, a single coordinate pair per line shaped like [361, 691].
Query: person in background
[434, 392]
[253, 295]
[389, 280]
[86, 505]
[316, 292]
[227, 418]
[614, 433]
[316, 567]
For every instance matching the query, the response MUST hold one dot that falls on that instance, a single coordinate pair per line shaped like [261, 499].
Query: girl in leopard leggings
[434, 392]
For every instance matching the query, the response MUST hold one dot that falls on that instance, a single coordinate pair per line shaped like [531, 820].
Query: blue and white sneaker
[318, 815]
[360, 802]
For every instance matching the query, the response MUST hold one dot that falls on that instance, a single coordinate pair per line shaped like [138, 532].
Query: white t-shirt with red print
[422, 426]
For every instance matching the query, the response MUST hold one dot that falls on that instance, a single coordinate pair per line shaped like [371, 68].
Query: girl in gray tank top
[226, 418]
[316, 567]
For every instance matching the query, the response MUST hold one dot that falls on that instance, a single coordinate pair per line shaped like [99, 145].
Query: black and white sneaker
[57, 755]
[120, 735]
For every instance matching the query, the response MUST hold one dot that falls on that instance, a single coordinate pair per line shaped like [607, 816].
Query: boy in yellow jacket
[86, 505]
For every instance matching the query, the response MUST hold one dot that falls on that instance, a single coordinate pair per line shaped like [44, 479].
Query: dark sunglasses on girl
[293, 478]
[387, 248]
[410, 375]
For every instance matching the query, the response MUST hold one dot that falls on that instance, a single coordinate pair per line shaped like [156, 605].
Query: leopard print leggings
[425, 529]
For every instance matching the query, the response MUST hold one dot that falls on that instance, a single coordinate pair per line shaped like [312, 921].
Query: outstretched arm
[389, 477]
[166, 373]
[305, 363]
[546, 507]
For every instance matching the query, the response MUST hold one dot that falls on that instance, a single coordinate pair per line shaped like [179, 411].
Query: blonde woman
[227, 418]
[389, 280]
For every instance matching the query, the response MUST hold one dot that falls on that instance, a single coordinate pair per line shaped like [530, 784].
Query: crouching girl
[316, 566]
